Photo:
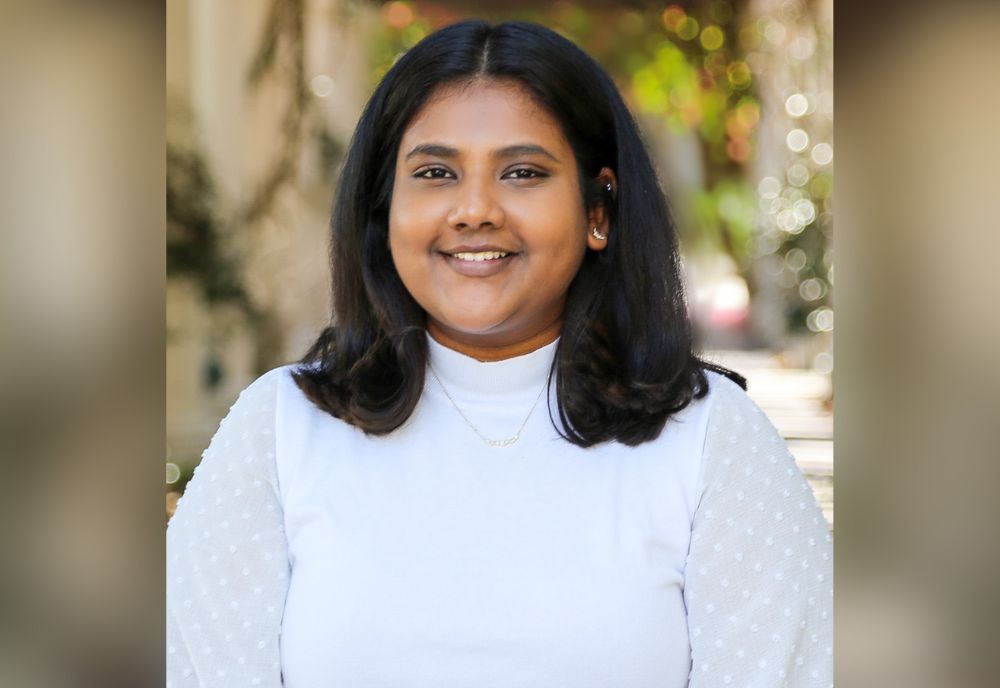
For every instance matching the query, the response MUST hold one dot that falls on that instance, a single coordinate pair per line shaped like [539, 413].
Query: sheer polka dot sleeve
[227, 563]
[759, 577]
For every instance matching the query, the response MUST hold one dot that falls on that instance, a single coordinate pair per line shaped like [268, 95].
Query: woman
[398, 510]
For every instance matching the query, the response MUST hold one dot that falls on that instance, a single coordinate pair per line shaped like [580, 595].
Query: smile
[481, 256]
[478, 263]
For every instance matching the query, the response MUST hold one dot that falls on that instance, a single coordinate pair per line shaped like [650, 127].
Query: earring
[609, 187]
[598, 235]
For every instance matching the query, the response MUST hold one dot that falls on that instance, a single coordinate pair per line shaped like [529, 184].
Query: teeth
[485, 255]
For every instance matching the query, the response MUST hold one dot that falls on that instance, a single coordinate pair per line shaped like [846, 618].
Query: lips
[480, 255]
[478, 261]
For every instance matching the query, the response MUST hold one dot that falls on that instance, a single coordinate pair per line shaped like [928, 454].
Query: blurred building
[262, 98]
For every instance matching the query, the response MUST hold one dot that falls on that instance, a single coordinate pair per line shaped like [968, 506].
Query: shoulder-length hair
[624, 362]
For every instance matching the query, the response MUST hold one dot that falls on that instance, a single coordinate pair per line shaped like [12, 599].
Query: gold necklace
[492, 443]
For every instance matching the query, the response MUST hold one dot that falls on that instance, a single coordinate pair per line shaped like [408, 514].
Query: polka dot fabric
[759, 577]
[227, 562]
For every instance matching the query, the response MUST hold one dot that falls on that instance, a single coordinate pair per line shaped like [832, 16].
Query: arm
[759, 577]
[227, 563]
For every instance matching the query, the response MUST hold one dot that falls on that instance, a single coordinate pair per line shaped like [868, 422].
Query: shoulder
[264, 395]
[265, 388]
[238, 467]
[729, 403]
[745, 460]
[700, 418]
[249, 427]
[739, 438]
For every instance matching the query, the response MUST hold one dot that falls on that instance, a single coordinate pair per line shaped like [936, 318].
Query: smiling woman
[393, 512]
[451, 135]
[488, 225]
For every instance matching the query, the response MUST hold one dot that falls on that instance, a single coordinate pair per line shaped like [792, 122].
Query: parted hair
[625, 361]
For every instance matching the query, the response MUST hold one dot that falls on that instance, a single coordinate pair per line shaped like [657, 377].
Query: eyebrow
[442, 151]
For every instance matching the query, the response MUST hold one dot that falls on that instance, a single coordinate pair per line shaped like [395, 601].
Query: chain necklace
[492, 443]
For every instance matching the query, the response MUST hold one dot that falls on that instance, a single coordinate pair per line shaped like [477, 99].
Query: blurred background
[735, 99]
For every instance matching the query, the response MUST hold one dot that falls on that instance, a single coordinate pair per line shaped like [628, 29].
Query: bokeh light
[823, 362]
[736, 126]
[688, 28]
[769, 187]
[738, 149]
[790, 222]
[805, 210]
[812, 289]
[775, 32]
[321, 85]
[821, 186]
[820, 320]
[822, 154]
[797, 105]
[398, 14]
[797, 140]
[801, 49]
[738, 73]
[798, 175]
[712, 38]
[749, 112]
[770, 204]
[673, 16]
[796, 259]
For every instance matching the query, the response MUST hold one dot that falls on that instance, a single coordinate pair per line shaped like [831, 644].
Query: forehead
[483, 112]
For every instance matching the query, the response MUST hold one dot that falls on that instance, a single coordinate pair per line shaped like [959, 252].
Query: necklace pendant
[489, 442]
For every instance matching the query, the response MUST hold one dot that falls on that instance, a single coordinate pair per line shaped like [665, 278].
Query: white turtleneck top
[307, 554]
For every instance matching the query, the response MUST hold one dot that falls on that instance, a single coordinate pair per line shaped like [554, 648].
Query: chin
[475, 329]
[473, 326]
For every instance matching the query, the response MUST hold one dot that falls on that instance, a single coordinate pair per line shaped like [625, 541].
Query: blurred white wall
[242, 131]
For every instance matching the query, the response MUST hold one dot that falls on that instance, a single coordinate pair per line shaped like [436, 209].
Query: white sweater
[309, 555]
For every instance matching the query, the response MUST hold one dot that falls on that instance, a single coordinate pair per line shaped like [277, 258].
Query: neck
[496, 353]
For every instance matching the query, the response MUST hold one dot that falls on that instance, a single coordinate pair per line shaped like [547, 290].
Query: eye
[434, 173]
[525, 173]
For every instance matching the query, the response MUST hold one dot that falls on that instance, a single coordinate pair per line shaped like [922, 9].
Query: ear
[598, 215]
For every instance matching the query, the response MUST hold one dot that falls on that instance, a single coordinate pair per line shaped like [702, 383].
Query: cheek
[563, 236]
[413, 221]
[574, 260]
[404, 253]
[557, 267]
[404, 213]
[411, 248]
[405, 233]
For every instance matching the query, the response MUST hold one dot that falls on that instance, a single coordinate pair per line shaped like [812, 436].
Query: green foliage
[725, 216]
[194, 233]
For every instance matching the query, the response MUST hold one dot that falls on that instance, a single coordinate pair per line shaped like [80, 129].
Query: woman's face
[487, 226]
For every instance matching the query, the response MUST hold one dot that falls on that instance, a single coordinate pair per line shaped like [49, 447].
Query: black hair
[624, 362]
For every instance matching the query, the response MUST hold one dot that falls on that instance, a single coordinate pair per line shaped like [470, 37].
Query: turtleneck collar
[513, 377]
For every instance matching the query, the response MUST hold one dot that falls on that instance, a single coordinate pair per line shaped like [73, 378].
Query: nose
[476, 204]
